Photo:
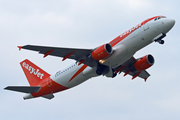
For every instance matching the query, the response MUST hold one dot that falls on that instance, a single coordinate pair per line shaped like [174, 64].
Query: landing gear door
[145, 26]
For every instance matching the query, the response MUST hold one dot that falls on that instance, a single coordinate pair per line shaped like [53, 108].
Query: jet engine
[102, 52]
[144, 63]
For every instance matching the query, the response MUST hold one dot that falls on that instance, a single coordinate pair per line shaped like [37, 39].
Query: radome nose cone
[171, 23]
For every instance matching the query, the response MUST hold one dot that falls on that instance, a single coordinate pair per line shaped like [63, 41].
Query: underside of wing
[128, 68]
[57, 51]
[70, 53]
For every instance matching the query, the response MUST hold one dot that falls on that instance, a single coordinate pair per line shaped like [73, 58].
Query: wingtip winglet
[19, 47]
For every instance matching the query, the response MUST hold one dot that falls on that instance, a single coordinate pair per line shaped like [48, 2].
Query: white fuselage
[63, 76]
[134, 40]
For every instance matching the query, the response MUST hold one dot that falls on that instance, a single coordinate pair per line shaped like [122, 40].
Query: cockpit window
[159, 18]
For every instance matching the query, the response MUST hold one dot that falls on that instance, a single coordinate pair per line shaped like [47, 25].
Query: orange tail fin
[33, 73]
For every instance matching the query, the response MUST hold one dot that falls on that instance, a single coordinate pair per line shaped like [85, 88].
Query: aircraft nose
[169, 24]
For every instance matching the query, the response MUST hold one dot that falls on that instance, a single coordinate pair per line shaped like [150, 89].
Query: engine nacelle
[144, 63]
[102, 52]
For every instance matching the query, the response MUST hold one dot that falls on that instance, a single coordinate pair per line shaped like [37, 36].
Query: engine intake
[144, 63]
[102, 52]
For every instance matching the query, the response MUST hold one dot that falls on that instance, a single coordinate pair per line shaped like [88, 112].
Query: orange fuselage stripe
[78, 72]
[128, 32]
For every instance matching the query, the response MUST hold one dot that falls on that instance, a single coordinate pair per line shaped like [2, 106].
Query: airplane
[108, 60]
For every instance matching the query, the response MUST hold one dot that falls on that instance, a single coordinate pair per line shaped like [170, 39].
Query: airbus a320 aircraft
[108, 60]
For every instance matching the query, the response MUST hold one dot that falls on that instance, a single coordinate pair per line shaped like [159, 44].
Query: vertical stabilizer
[33, 73]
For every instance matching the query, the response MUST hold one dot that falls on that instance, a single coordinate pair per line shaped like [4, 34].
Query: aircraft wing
[128, 68]
[71, 53]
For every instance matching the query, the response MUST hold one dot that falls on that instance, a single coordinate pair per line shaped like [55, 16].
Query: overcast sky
[88, 24]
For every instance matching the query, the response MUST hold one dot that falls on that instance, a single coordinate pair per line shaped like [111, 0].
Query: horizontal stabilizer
[50, 96]
[24, 89]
